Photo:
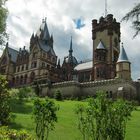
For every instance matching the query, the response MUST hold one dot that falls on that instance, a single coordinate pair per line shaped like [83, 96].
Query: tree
[45, 116]
[134, 16]
[4, 101]
[3, 17]
[103, 119]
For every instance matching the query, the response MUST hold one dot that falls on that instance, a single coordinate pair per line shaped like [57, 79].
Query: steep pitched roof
[122, 56]
[12, 52]
[43, 31]
[46, 47]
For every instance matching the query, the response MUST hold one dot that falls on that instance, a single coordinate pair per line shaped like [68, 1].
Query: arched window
[32, 77]
[17, 80]
[21, 79]
[13, 81]
[25, 79]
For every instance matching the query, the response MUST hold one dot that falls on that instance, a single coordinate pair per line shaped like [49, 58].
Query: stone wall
[114, 88]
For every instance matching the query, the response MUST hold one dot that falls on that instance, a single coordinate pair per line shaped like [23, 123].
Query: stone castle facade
[109, 70]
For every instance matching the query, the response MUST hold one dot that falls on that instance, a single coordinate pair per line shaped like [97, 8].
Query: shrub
[4, 101]
[11, 134]
[14, 93]
[44, 114]
[103, 118]
[58, 95]
[26, 92]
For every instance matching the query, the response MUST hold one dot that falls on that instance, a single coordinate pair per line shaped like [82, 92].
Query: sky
[25, 17]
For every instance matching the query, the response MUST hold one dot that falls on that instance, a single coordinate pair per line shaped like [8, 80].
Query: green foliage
[21, 93]
[4, 101]
[45, 116]
[14, 93]
[3, 16]
[26, 92]
[133, 15]
[11, 134]
[104, 119]
[58, 95]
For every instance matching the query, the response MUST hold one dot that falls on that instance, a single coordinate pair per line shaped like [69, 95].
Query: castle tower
[123, 66]
[107, 33]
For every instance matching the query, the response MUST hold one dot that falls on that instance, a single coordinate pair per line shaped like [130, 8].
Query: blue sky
[25, 17]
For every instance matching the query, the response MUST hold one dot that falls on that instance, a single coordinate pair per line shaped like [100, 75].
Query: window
[44, 55]
[34, 54]
[34, 65]
[32, 76]
[3, 70]
[18, 68]
[21, 80]
[97, 72]
[22, 68]
[48, 66]
[43, 64]
[25, 79]
[26, 67]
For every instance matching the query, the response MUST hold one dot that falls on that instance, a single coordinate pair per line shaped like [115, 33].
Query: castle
[109, 70]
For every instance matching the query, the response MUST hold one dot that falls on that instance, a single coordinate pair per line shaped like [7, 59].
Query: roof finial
[71, 45]
[105, 8]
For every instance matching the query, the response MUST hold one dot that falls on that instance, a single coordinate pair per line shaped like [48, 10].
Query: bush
[58, 95]
[11, 134]
[26, 92]
[14, 93]
[44, 114]
[4, 101]
[104, 118]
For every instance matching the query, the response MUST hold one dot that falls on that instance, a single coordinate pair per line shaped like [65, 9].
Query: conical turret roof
[122, 56]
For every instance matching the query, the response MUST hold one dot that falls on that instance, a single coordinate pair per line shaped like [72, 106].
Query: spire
[58, 65]
[32, 37]
[122, 56]
[7, 45]
[70, 50]
[51, 38]
[46, 35]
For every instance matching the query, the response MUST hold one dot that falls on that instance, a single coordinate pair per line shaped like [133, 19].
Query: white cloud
[25, 18]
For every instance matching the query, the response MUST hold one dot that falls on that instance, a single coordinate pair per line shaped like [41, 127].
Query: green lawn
[66, 127]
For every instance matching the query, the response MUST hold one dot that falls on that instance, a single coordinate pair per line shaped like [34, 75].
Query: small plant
[104, 119]
[44, 114]
[58, 95]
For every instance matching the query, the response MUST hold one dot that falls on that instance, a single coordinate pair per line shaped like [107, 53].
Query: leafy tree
[4, 101]
[45, 116]
[104, 119]
[134, 16]
[3, 17]
[58, 95]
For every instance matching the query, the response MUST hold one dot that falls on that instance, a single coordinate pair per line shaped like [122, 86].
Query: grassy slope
[66, 128]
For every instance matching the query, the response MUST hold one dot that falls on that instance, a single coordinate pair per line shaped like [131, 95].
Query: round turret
[123, 68]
